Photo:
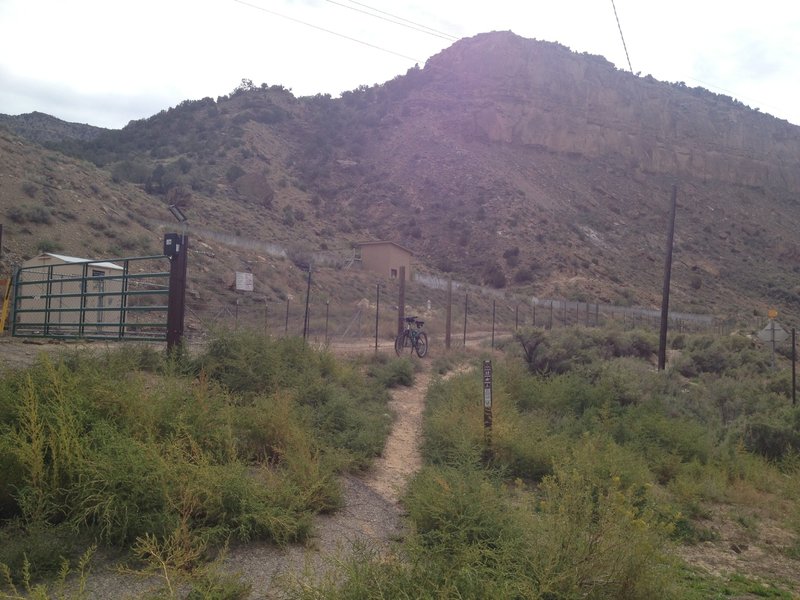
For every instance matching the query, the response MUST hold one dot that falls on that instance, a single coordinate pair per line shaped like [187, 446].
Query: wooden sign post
[487, 406]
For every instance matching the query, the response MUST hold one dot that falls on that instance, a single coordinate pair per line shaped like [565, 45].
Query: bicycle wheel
[400, 342]
[422, 344]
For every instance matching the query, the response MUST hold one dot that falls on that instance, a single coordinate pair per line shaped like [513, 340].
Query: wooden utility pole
[662, 340]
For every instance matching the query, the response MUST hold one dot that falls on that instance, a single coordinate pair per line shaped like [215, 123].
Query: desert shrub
[559, 351]
[35, 214]
[724, 355]
[474, 539]
[523, 275]
[348, 410]
[130, 170]
[48, 246]
[30, 189]
[451, 435]
[234, 172]
[392, 372]
[665, 442]
[130, 447]
[774, 438]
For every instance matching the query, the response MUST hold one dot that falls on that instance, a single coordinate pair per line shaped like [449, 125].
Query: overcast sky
[107, 62]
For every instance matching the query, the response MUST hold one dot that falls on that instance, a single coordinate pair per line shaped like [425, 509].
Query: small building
[62, 293]
[384, 258]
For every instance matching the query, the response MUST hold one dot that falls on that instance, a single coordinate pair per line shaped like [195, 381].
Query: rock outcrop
[512, 90]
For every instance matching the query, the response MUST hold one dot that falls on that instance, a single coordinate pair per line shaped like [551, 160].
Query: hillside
[504, 161]
[41, 128]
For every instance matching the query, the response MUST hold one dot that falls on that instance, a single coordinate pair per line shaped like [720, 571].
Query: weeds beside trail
[603, 474]
[174, 459]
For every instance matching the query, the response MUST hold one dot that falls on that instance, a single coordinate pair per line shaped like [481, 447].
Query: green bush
[474, 539]
[132, 448]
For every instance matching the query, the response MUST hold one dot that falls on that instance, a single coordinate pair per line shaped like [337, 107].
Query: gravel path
[371, 515]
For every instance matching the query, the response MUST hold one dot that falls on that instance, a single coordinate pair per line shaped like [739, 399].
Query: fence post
[286, 323]
[493, 313]
[327, 309]
[550, 326]
[266, 318]
[401, 301]
[794, 369]
[377, 311]
[305, 314]
[236, 315]
[466, 310]
[449, 314]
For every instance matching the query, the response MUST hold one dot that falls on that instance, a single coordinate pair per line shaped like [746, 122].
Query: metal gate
[118, 299]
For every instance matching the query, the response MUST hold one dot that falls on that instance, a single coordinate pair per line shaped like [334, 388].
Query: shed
[384, 258]
[62, 292]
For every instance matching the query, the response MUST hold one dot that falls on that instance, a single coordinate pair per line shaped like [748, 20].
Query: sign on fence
[244, 282]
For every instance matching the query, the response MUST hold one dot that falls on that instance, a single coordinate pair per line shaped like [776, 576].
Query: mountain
[505, 161]
[41, 128]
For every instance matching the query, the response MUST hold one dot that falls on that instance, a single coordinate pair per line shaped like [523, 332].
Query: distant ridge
[42, 128]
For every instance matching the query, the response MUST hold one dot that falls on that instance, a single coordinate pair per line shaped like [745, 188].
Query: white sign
[244, 282]
[773, 332]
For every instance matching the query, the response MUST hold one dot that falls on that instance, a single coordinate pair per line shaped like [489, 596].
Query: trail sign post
[487, 405]
[176, 247]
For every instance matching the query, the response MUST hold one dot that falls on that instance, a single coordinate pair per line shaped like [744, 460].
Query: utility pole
[662, 341]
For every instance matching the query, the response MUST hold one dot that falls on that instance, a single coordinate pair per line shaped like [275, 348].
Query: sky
[107, 62]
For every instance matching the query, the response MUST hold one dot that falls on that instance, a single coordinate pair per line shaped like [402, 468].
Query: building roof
[383, 242]
[76, 260]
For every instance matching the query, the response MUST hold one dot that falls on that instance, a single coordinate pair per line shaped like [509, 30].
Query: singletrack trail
[371, 515]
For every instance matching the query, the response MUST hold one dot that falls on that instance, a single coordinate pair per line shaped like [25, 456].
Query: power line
[330, 31]
[405, 22]
[621, 36]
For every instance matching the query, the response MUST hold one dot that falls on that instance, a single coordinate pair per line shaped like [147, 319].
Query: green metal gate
[118, 299]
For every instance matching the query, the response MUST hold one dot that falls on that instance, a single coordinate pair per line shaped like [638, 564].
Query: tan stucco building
[384, 258]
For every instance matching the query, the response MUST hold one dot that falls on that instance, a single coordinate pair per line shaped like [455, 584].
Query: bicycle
[412, 337]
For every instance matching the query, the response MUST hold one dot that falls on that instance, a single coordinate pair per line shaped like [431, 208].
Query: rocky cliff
[511, 90]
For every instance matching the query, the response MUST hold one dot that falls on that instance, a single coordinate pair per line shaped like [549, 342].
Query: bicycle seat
[420, 323]
[410, 319]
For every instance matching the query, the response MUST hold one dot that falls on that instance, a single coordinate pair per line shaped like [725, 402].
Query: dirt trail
[401, 457]
[371, 515]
